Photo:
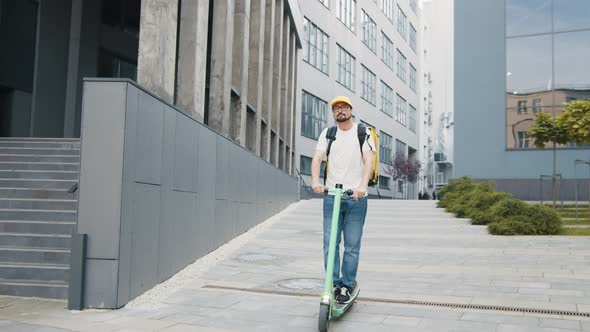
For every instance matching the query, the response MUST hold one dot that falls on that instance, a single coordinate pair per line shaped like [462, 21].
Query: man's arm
[316, 162]
[359, 192]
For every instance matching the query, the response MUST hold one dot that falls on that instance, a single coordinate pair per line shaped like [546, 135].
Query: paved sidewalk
[411, 251]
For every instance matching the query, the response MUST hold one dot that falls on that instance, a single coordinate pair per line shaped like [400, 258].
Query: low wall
[159, 190]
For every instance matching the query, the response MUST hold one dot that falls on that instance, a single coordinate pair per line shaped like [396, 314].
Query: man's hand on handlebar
[359, 192]
[318, 188]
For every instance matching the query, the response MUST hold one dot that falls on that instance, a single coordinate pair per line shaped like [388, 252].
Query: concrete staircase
[37, 214]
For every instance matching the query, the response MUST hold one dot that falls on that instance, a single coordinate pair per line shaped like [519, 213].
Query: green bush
[504, 215]
[509, 207]
[454, 191]
[475, 203]
[514, 226]
[535, 220]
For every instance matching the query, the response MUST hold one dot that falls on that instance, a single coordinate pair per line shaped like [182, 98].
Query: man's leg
[328, 209]
[353, 223]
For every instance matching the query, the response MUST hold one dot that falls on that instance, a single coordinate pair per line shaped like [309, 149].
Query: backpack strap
[362, 135]
[331, 137]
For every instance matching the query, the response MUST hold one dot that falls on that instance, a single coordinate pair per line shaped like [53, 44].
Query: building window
[537, 105]
[400, 115]
[414, 5]
[316, 46]
[402, 22]
[385, 145]
[413, 39]
[383, 182]
[110, 65]
[368, 83]
[123, 15]
[400, 186]
[369, 32]
[401, 65]
[346, 68]
[313, 115]
[400, 147]
[523, 140]
[387, 8]
[386, 50]
[386, 99]
[522, 107]
[346, 13]
[305, 166]
[325, 3]
[412, 78]
[412, 116]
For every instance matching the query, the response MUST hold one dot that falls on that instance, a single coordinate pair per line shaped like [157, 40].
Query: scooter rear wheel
[324, 318]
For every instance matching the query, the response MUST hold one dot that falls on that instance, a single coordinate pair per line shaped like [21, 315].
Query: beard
[339, 119]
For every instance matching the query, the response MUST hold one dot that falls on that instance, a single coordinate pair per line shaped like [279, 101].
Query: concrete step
[35, 255]
[35, 240]
[38, 144]
[40, 158]
[37, 227]
[38, 166]
[35, 288]
[39, 174]
[39, 151]
[25, 271]
[41, 204]
[40, 139]
[37, 183]
[36, 214]
[37, 193]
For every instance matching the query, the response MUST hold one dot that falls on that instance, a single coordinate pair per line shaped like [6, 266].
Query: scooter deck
[340, 308]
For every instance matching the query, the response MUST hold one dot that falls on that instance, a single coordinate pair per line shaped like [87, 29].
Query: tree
[547, 129]
[403, 168]
[575, 119]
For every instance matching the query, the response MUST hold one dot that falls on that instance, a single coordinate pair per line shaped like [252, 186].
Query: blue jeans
[350, 224]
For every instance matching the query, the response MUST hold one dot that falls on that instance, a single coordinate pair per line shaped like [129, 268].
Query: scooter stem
[328, 296]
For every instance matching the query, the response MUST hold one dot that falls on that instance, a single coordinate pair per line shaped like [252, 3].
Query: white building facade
[368, 51]
[436, 93]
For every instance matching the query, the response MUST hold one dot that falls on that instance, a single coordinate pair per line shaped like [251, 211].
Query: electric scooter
[329, 308]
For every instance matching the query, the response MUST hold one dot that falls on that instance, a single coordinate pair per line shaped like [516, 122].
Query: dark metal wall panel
[144, 239]
[101, 168]
[185, 154]
[150, 131]
[101, 283]
[128, 192]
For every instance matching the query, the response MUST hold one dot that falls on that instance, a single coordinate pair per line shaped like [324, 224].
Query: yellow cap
[341, 99]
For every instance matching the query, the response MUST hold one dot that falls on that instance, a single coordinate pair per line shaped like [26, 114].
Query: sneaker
[337, 291]
[344, 296]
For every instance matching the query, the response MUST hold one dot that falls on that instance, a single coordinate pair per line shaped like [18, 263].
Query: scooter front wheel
[324, 318]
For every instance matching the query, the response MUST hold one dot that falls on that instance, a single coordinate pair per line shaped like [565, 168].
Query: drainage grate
[414, 302]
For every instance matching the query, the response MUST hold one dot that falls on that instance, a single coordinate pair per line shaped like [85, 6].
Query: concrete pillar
[221, 64]
[73, 68]
[277, 68]
[294, 106]
[289, 109]
[192, 58]
[284, 91]
[240, 68]
[269, 23]
[51, 68]
[256, 65]
[156, 63]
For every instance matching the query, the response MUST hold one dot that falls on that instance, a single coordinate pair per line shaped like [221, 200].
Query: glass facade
[547, 50]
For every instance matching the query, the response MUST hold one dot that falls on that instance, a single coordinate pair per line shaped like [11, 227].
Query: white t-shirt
[345, 162]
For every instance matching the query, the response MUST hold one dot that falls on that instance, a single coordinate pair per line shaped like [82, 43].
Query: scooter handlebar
[348, 192]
